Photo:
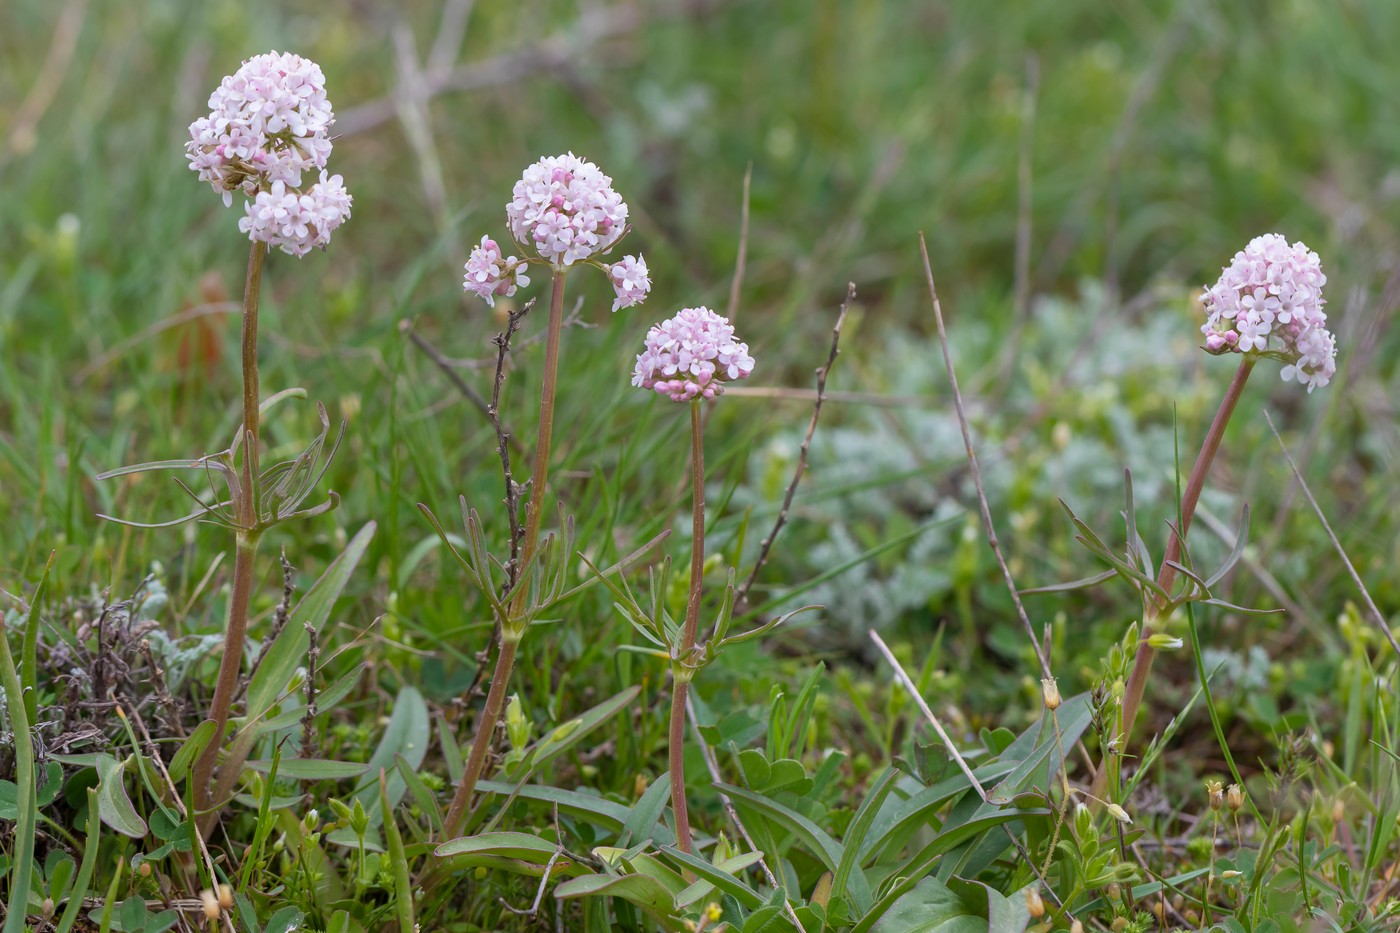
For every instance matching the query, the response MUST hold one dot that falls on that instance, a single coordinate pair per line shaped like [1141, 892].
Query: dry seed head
[1050, 692]
[1215, 790]
[225, 897]
[210, 904]
[1076, 927]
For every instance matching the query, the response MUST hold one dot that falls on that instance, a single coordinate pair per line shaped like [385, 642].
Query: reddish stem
[681, 670]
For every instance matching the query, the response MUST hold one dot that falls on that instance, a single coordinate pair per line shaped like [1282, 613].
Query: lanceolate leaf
[281, 658]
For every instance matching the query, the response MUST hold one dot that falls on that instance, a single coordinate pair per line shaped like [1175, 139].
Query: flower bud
[1119, 814]
[47, 908]
[1083, 822]
[144, 870]
[1234, 797]
[1161, 641]
[1034, 903]
[1050, 693]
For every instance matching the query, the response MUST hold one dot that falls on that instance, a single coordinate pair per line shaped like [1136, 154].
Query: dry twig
[1376, 615]
[741, 596]
[976, 472]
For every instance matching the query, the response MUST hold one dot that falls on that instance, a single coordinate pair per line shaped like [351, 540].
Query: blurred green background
[1134, 146]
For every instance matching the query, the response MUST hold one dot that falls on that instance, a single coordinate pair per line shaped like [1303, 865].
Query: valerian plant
[268, 138]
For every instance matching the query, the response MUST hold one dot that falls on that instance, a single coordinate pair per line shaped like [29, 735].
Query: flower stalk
[511, 631]
[1166, 577]
[682, 668]
[246, 542]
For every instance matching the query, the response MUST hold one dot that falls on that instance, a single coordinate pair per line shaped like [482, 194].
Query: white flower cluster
[1269, 301]
[691, 356]
[268, 126]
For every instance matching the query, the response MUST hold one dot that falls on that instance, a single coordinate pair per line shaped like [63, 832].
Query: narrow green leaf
[311, 769]
[647, 811]
[855, 836]
[281, 658]
[190, 749]
[722, 876]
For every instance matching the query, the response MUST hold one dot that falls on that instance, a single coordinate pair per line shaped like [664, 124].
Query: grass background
[1161, 137]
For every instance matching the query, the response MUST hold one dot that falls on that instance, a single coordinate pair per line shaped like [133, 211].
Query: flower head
[565, 208]
[691, 356]
[630, 281]
[489, 275]
[268, 126]
[1269, 301]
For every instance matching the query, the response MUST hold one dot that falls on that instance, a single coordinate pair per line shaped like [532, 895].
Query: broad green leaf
[828, 850]
[1005, 913]
[645, 892]
[281, 658]
[753, 764]
[285, 920]
[311, 769]
[406, 734]
[114, 806]
[521, 846]
[930, 907]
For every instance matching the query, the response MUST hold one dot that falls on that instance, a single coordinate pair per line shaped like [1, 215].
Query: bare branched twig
[444, 364]
[308, 719]
[976, 472]
[1376, 614]
[741, 595]
[503, 438]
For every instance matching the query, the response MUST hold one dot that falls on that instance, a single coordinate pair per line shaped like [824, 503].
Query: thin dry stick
[976, 472]
[591, 29]
[741, 261]
[52, 73]
[444, 364]
[1376, 615]
[741, 596]
[957, 756]
[712, 765]
[452, 29]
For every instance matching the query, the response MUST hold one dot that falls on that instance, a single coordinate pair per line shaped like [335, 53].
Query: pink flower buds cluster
[564, 211]
[268, 127]
[1269, 301]
[691, 356]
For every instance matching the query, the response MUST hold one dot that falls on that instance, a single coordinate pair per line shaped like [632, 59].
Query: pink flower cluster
[297, 221]
[269, 124]
[630, 281]
[566, 209]
[489, 275]
[1269, 301]
[691, 356]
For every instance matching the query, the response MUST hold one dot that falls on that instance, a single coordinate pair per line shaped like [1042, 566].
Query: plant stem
[1142, 663]
[681, 670]
[246, 543]
[23, 854]
[505, 657]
